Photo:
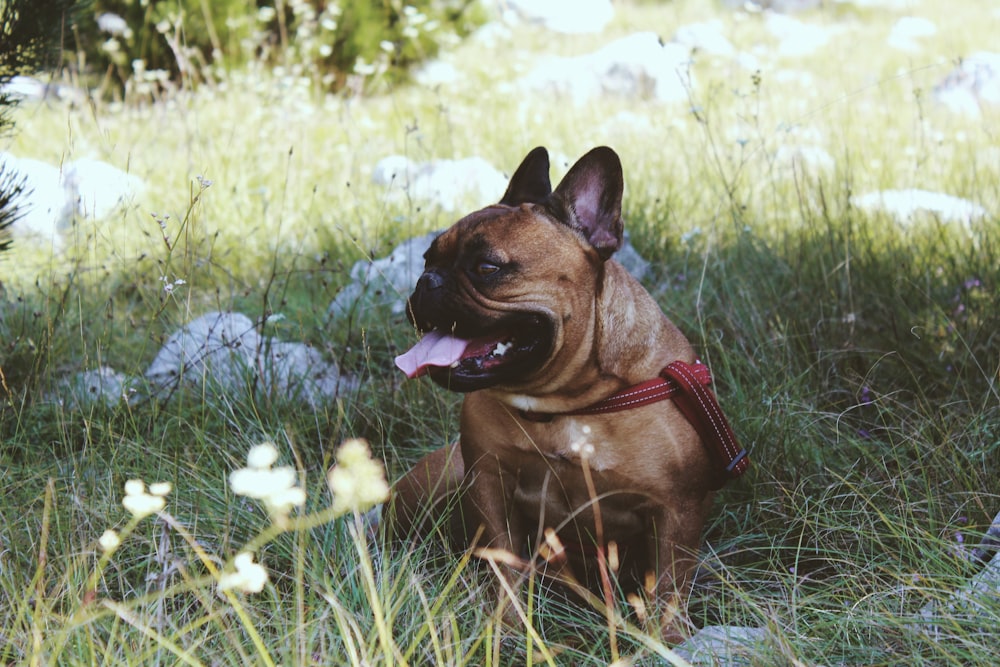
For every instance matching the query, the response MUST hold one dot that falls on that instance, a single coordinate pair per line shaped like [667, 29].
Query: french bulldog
[555, 345]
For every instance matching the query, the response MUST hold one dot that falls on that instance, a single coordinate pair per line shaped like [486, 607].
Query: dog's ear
[530, 183]
[589, 199]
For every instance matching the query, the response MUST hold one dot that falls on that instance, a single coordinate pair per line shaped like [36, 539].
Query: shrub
[171, 42]
[138, 41]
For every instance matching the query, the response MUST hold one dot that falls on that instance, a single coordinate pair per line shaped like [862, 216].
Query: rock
[816, 158]
[803, 147]
[44, 204]
[491, 34]
[25, 88]
[102, 385]
[100, 188]
[728, 645]
[385, 284]
[436, 73]
[565, 16]
[907, 32]
[449, 184]
[298, 372]
[630, 258]
[773, 5]
[974, 83]
[974, 604]
[51, 198]
[223, 355]
[707, 36]
[796, 38]
[907, 205]
[639, 66]
[216, 349]
[892, 5]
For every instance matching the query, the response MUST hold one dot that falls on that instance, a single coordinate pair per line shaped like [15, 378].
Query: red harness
[687, 385]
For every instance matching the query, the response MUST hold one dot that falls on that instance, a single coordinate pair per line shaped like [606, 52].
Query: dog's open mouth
[465, 364]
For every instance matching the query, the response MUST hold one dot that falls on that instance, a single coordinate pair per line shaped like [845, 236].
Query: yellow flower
[357, 481]
[248, 576]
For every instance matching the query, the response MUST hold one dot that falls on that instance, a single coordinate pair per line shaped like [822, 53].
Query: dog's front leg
[500, 530]
[676, 540]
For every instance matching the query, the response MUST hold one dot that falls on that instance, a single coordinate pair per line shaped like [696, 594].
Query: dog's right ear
[530, 183]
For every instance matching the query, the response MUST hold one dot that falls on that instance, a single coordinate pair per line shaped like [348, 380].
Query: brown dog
[559, 349]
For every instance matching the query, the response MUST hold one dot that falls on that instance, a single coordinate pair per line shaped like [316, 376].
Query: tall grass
[856, 357]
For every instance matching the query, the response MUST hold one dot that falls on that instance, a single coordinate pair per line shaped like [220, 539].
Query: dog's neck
[618, 353]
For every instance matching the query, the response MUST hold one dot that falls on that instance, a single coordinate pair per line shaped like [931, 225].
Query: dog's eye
[486, 269]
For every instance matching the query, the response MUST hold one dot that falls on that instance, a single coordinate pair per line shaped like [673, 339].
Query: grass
[857, 357]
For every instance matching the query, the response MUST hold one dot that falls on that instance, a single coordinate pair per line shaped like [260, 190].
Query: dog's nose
[430, 280]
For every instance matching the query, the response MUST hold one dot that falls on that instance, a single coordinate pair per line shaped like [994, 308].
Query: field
[856, 354]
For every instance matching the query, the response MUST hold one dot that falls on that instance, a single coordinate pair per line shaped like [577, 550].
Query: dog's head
[510, 287]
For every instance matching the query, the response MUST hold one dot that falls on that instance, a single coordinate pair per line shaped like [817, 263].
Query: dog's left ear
[590, 199]
[530, 183]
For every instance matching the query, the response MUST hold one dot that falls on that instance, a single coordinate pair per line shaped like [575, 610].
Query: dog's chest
[579, 443]
[559, 492]
[567, 474]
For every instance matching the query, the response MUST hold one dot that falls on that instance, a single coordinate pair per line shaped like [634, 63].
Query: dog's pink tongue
[434, 349]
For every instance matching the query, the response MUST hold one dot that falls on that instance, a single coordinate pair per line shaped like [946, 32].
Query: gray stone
[26, 88]
[802, 147]
[30, 89]
[639, 66]
[974, 603]
[103, 385]
[728, 645]
[796, 38]
[45, 206]
[907, 206]
[52, 197]
[565, 16]
[101, 189]
[773, 5]
[216, 350]
[436, 73]
[223, 355]
[384, 284]
[907, 33]
[973, 84]
[448, 184]
[706, 36]
[298, 372]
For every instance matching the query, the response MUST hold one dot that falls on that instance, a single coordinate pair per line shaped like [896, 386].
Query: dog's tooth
[501, 349]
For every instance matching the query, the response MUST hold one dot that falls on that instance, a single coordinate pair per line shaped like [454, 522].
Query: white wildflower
[139, 503]
[275, 487]
[160, 488]
[357, 481]
[248, 577]
[262, 456]
[110, 540]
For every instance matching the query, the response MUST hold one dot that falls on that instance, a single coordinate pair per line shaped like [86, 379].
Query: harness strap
[687, 385]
